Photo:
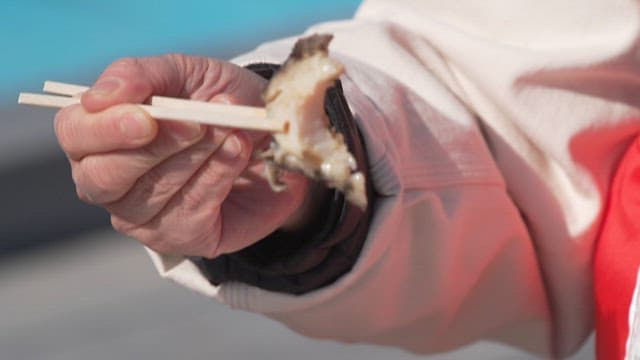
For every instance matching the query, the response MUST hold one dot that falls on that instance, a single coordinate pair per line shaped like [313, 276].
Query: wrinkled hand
[179, 188]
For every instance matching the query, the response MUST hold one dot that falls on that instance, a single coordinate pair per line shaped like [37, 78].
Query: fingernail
[187, 130]
[135, 125]
[232, 147]
[222, 99]
[105, 87]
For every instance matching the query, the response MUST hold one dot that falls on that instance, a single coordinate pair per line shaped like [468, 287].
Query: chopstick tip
[47, 85]
[60, 88]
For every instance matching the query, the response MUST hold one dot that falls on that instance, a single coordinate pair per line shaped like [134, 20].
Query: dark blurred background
[70, 288]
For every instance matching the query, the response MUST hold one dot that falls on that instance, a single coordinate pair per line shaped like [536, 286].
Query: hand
[178, 188]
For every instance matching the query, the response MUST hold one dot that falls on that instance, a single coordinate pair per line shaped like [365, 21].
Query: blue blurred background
[66, 39]
[71, 288]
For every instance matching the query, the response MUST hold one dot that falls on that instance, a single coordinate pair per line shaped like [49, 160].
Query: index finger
[133, 80]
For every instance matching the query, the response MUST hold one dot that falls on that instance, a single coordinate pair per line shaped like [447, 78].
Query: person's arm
[465, 242]
[446, 259]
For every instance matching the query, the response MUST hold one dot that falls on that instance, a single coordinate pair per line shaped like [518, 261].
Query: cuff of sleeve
[300, 262]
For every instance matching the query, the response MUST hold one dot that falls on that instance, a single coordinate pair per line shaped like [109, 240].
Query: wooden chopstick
[164, 108]
[47, 100]
[59, 88]
[213, 108]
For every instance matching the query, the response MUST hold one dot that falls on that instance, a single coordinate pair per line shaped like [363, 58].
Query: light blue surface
[43, 39]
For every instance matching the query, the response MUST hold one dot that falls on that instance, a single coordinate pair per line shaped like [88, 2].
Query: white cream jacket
[492, 129]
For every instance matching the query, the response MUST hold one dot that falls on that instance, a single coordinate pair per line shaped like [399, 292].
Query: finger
[121, 127]
[190, 223]
[133, 80]
[104, 178]
[275, 209]
[221, 79]
[154, 189]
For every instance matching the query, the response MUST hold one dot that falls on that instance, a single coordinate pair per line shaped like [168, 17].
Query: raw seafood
[296, 94]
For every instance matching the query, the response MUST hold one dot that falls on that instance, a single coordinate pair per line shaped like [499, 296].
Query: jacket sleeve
[491, 133]
[446, 259]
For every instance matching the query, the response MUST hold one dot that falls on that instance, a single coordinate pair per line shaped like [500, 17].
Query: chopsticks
[166, 108]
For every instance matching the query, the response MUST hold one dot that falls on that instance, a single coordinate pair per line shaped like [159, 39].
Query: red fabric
[617, 258]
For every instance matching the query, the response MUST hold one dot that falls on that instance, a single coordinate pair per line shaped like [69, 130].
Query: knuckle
[83, 196]
[203, 241]
[238, 148]
[171, 238]
[65, 130]
[190, 201]
[190, 69]
[176, 59]
[211, 243]
[213, 70]
[123, 68]
[97, 176]
[124, 63]
[193, 197]
[212, 176]
[246, 148]
[152, 153]
[97, 180]
[155, 184]
[77, 174]
[155, 240]
[217, 75]
[157, 247]
[109, 125]
[183, 64]
[120, 225]
[134, 74]
[163, 72]
[150, 239]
